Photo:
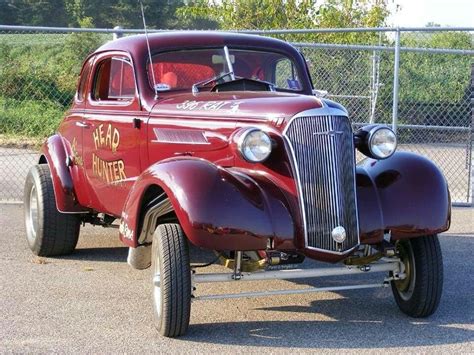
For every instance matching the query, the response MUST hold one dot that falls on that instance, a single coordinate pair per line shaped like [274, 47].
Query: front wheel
[418, 295]
[171, 280]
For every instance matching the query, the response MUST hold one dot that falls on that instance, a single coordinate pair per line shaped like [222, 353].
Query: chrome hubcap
[406, 286]
[156, 285]
[33, 214]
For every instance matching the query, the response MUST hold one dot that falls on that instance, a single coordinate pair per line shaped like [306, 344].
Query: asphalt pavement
[93, 302]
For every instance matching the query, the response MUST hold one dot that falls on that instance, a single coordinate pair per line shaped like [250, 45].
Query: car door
[111, 132]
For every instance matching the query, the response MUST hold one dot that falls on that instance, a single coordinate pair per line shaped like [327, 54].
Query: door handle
[83, 124]
[137, 123]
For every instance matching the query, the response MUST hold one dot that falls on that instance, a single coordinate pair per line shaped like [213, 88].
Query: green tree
[33, 12]
[296, 14]
[103, 13]
[8, 12]
[125, 13]
[435, 88]
[253, 14]
[77, 46]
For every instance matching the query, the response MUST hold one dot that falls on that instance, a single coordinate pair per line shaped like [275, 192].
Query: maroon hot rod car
[218, 140]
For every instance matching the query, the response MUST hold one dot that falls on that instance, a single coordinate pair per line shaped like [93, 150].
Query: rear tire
[48, 231]
[418, 295]
[172, 296]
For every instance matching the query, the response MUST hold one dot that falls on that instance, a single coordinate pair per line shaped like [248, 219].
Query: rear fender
[405, 194]
[218, 208]
[54, 152]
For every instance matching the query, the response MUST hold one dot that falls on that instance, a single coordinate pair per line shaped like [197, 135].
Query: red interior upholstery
[101, 86]
[122, 83]
[186, 74]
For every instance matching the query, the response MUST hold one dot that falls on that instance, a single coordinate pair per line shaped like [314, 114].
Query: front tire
[48, 231]
[418, 295]
[171, 280]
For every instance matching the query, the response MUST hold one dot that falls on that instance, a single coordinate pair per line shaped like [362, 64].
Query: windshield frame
[299, 70]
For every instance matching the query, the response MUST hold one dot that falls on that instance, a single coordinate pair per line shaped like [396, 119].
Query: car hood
[245, 105]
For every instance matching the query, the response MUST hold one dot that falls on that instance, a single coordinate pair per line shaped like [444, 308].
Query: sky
[416, 13]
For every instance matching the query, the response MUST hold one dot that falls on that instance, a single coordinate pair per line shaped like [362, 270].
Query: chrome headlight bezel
[366, 140]
[246, 151]
[371, 141]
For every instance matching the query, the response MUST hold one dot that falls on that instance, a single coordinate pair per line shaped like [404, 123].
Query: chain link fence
[417, 80]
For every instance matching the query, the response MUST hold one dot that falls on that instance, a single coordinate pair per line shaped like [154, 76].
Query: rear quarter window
[114, 80]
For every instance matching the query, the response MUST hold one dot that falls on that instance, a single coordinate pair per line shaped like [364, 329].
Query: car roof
[181, 39]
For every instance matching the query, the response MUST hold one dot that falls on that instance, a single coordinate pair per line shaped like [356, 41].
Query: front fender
[406, 194]
[55, 153]
[220, 209]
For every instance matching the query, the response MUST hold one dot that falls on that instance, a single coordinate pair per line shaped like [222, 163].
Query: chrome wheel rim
[32, 214]
[156, 286]
[406, 286]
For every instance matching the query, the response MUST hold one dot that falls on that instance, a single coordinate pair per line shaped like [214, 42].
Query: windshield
[179, 70]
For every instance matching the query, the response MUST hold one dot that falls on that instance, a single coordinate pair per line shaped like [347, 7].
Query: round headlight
[255, 145]
[382, 142]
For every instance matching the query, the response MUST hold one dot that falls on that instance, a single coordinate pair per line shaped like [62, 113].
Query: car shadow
[355, 330]
[120, 253]
[359, 318]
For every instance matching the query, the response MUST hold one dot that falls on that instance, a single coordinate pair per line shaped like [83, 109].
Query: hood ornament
[327, 133]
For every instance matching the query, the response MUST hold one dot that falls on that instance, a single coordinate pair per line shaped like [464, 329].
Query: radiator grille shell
[322, 150]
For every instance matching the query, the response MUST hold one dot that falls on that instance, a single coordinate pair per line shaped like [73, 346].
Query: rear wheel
[418, 295]
[171, 280]
[48, 231]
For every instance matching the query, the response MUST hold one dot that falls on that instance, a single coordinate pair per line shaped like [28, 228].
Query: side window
[114, 80]
[81, 88]
[285, 75]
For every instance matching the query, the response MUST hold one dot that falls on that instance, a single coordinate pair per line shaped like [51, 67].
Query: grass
[38, 75]
[22, 142]
[27, 118]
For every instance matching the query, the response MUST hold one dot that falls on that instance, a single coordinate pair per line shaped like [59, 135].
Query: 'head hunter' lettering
[105, 138]
[109, 139]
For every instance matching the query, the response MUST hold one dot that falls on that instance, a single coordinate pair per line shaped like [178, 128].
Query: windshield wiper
[196, 86]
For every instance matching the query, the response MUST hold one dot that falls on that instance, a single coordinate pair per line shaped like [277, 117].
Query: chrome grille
[323, 153]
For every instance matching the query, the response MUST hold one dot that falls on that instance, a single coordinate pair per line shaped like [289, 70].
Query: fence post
[118, 34]
[372, 88]
[395, 81]
[471, 167]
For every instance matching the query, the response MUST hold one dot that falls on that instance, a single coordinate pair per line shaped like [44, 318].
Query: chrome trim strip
[323, 111]
[130, 179]
[171, 135]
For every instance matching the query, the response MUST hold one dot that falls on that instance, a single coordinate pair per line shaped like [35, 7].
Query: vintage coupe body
[218, 140]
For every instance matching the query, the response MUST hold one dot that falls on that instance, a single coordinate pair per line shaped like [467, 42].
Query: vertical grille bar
[323, 151]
